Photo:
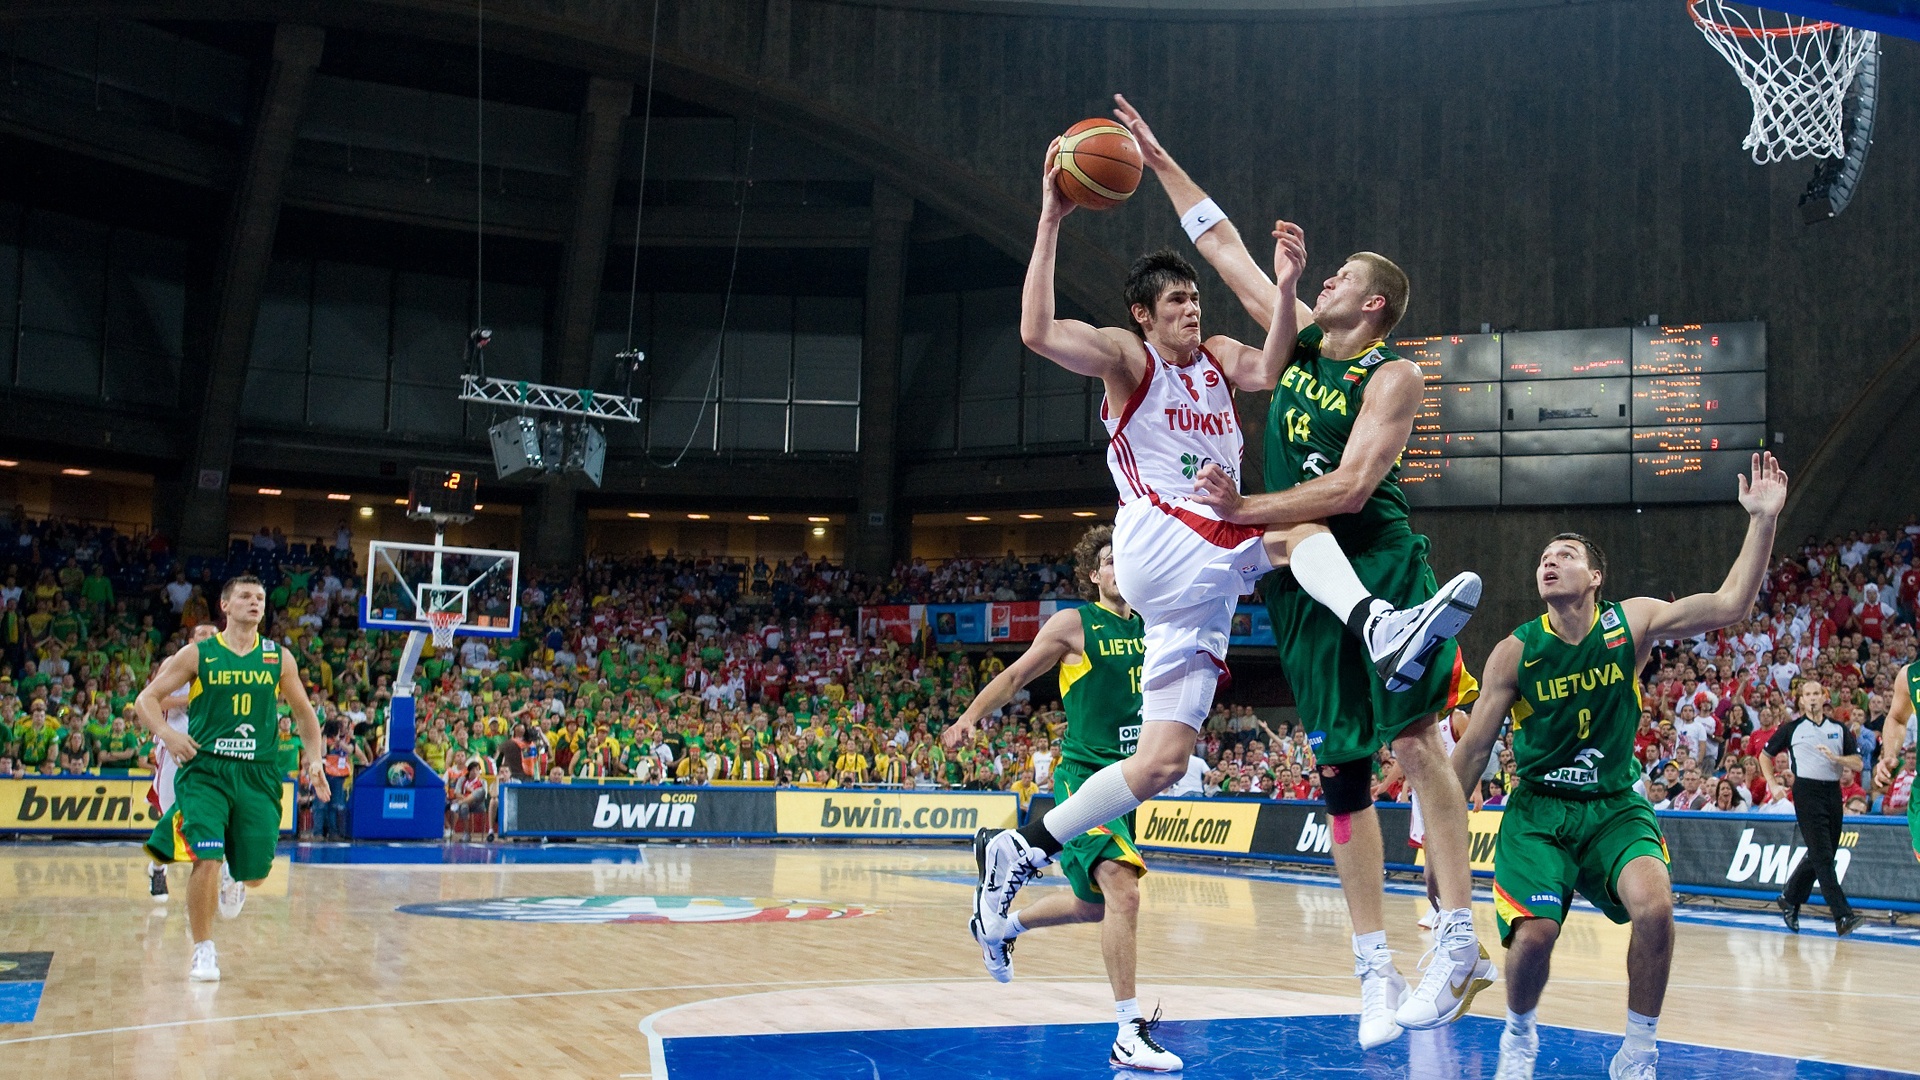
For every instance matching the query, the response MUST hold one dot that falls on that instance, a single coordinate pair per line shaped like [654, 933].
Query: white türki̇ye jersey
[1178, 420]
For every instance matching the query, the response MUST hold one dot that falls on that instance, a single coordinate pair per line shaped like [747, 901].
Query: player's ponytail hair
[1086, 559]
[1596, 558]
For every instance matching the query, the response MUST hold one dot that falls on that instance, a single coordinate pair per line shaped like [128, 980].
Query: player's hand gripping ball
[1099, 164]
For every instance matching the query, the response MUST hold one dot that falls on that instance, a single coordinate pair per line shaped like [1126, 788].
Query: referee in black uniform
[1818, 747]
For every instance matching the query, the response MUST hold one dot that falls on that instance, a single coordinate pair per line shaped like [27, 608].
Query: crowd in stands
[677, 669]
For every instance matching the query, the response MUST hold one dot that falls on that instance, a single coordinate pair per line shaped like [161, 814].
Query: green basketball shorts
[223, 808]
[1344, 706]
[1112, 842]
[1551, 848]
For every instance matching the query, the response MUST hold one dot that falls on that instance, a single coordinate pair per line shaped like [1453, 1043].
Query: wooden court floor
[324, 976]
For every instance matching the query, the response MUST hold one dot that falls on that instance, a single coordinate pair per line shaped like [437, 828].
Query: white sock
[1369, 947]
[1640, 1031]
[1126, 1012]
[1102, 798]
[1014, 927]
[1520, 1024]
[1323, 571]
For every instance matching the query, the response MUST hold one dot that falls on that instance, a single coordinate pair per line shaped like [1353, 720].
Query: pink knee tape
[1342, 828]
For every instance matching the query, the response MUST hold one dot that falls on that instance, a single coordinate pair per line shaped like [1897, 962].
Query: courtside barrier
[1733, 855]
[95, 805]
[647, 811]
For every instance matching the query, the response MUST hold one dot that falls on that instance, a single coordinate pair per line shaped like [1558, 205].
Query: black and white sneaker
[157, 882]
[1403, 641]
[1005, 862]
[997, 955]
[1134, 1047]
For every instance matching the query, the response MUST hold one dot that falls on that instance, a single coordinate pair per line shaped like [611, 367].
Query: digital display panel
[1692, 400]
[1459, 407]
[1699, 349]
[1567, 354]
[1451, 481]
[1571, 441]
[1454, 358]
[1566, 479]
[1454, 444]
[1746, 437]
[1689, 475]
[1564, 403]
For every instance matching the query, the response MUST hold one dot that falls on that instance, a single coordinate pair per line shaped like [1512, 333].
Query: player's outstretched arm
[1659, 620]
[1219, 243]
[1077, 346]
[1379, 437]
[1061, 637]
[1499, 687]
[179, 670]
[295, 692]
[1893, 734]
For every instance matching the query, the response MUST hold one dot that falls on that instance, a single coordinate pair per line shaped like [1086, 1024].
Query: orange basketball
[1099, 164]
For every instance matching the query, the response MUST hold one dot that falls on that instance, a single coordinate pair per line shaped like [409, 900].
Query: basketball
[1099, 164]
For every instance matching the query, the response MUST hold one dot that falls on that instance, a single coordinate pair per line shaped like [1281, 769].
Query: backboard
[408, 584]
[1900, 18]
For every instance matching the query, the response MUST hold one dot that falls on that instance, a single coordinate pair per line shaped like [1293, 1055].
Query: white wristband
[1200, 217]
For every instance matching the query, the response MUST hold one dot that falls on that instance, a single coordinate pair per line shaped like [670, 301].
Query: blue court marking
[1240, 1049]
[433, 853]
[20, 1001]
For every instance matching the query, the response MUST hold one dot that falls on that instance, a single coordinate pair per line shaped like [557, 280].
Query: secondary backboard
[409, 585]
[1900, 18]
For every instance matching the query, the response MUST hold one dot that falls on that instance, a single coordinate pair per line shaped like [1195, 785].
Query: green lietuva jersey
[1308, 426]
[1101, 691]
[1578, 707]
[231, 709]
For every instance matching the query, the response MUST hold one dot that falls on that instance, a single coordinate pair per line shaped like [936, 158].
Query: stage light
[269, 491]
[638, 514]
[819, 530]
[335, 496]
[698, 517]
[76, 472]
[758, 517]
[819, 520]
[1084, 513]
[366, 511]
[1029, 517]
[976, 517]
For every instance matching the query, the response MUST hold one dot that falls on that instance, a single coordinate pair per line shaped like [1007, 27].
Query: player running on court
[1342, 412]
[227, 793]
[160, 792]
[1169, 414]
[1098, 648]
[1574, 823]
[1893, 741]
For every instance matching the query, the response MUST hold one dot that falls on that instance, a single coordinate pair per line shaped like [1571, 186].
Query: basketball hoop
[1796, 70]
[443, 624]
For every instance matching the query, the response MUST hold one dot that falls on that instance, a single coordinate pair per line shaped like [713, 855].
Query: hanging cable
[640, 201]
[479, 160]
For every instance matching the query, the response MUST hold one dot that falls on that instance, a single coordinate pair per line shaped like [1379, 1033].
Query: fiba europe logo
[638, 909]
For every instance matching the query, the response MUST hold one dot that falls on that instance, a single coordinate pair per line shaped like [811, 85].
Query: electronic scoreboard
[1567, 417]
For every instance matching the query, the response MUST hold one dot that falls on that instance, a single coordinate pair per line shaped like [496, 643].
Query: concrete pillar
[596, 171]
[246, 251]
[877, 538]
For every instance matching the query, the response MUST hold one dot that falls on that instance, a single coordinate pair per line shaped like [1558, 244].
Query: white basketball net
[1797, 71]
[443, 624]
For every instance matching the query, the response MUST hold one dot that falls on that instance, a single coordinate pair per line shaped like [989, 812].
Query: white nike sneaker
[998, 955]
[233, 894]
[1516, 1055]
[1431, 919]
[206, 968]
[1447, 987]
[1381, 991]
[1006, 862]
[1402, 642]
[1633, 1065]
[1135, 1048]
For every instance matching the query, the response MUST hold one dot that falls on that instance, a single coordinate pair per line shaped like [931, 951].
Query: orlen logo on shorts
[236, 747]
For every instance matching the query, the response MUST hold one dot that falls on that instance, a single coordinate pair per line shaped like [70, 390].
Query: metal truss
[526, 395]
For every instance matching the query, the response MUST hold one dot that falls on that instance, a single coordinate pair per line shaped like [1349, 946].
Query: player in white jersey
[1169, 413]
[160, 795]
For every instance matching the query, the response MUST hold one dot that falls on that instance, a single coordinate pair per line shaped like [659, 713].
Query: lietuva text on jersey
[240, 678]
[1559, 687]
[1301, 381]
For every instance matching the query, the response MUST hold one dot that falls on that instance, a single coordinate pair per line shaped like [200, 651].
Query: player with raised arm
[1893, 741]
[1169, 414]
[228, 790]
[1097, 648]
[1341, 415]
[165, 767]
[1574, 823]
